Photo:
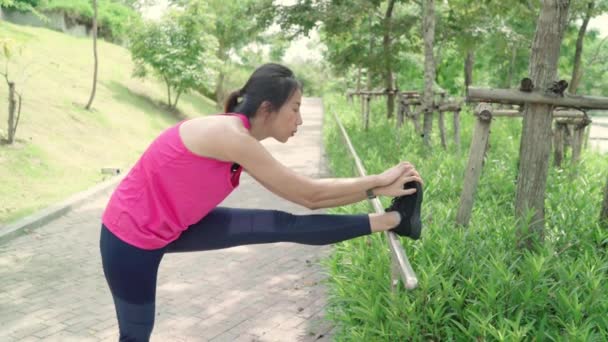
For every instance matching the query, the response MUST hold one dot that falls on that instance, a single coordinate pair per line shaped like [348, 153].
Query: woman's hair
[271, 82]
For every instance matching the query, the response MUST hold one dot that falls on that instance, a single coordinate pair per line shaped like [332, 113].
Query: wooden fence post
[457, 129]
[558, 143]
[362, 98]
[604, 211]
[586, 138]
[367, 111]
[442, 129]
[400, 111]
[577, 141]
[476, 154]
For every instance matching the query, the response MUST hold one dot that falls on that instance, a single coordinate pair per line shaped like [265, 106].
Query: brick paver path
[52, 286]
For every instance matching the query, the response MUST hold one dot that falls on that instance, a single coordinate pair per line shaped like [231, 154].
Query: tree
[535, 145]
[351, 30]
[587, 10]
[388, 57]
[88, 106]
[178, 49]
[428, 31]
[14, 97]
[236, 24]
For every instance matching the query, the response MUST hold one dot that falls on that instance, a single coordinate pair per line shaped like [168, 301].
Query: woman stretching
[168, 201]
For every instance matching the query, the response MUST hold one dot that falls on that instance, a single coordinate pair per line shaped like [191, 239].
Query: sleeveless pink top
[167, 190]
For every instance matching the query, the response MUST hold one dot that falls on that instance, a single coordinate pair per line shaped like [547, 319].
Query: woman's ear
[266, 109]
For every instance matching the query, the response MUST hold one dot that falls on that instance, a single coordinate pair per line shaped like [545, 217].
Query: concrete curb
[44, 216]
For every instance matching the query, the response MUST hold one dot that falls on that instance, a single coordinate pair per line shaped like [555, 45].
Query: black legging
[131, 272]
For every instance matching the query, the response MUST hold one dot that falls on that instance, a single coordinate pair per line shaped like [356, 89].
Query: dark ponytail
[232, 101]
[271, 82]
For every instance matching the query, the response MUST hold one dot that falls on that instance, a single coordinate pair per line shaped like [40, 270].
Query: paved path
[52, 286]
[598, 136]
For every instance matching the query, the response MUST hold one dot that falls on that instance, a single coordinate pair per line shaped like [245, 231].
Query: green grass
[61, 147]
[474, 284]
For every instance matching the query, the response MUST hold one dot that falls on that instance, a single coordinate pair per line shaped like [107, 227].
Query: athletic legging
[131, 272]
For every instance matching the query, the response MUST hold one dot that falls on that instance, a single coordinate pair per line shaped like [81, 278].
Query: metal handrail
[400, 261]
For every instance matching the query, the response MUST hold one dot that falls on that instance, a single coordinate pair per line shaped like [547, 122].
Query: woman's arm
[333, 199]
[306, 191]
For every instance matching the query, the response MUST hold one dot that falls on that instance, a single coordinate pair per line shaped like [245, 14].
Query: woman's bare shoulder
[205, 136]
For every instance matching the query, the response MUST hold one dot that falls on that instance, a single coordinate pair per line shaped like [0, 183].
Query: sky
[601, 24]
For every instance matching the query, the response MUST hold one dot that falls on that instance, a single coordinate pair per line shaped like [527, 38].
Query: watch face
[370, 194]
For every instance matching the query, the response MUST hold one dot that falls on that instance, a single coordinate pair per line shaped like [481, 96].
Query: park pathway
[52, 286]
[598, 137]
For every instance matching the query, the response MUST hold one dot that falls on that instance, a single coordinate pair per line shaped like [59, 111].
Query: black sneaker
[409, 209]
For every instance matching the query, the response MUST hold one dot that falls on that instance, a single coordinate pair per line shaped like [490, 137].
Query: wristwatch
[370, 194]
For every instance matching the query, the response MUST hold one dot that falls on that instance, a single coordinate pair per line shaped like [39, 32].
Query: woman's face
[288, 118]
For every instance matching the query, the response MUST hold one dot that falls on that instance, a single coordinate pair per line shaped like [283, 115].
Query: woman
[168, 201]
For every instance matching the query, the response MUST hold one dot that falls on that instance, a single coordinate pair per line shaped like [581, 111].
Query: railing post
[457, 129]
[558, 143]
[367, 111]
[577, 139]
[474, 166]
[362, 98]
[442, 129]
[400, 111]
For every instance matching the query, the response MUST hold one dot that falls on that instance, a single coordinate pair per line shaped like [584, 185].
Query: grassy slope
[60, 146]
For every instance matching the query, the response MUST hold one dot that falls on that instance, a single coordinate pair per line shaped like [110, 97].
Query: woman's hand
[396, 177]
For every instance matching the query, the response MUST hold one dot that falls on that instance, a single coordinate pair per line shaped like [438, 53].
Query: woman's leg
[229, 227]
[131, 275]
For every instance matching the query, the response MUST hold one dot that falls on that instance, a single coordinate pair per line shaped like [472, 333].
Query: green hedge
[474, 284]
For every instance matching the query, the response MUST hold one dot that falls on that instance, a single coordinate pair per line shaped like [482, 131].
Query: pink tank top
[167, 190]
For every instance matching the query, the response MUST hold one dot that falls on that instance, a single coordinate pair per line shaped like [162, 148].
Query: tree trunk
[11, 112]
[511, 67]
[468, 69]
[428, 29]
[358, 79]
[219, 89]
[388, 68]
[219, 84]
[535, 145]
[179, 93]
[88, 106]
[576, 70]
[168, 91]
